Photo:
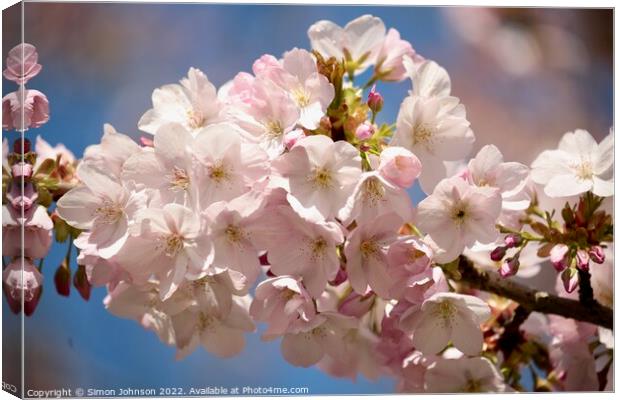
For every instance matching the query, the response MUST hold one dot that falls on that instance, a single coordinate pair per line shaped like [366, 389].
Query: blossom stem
[586, 294]
[531, 299]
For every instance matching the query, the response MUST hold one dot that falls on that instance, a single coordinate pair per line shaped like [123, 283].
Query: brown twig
[531, 299]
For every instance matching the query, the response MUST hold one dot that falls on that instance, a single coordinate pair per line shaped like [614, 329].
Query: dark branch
[530, 299]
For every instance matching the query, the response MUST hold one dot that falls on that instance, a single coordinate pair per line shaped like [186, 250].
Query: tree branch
[530, 299]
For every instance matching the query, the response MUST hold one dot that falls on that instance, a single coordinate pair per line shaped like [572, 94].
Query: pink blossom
[193, 104]
[33, 112]
[366, 252]
[170, 243]
[301, 246]
[22, 278]
[457, 215]
[399, 166]
[319, 173]
[21, 63]
[389, 65]
[320, 337]
[476, 374]
[359, 41]
[446, 317]
[373, 196]
[220, 334]
[113, 151]
[103, 206]
[298, 75]
[284, 304]
[264, 63]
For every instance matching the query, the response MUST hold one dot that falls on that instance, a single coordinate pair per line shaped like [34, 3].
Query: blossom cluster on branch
[279, 199]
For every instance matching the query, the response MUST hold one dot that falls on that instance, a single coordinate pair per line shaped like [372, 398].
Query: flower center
[274, 129]
[322, 178]
[318, 247]
[423, 135]
[445, 311]
[205, 322]
[173, 243]
[233, 233]
[302, 98]
[369, 248]
[179, 179]
[472, 386]
[459, 214]
[195, 119]
[584, 171]
[373, 191]
[218, 172]
[109, 212]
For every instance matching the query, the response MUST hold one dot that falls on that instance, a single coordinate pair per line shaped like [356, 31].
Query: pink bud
[498, 253]
[559, 257]
[583, 260]
[509, 267]
[399, 166]
[356, 305]
[21, 170]
[570, 279]
[597, 254]
[21, 63]
[292, 137]
[364, 131]
[375, 100]
[513, 240]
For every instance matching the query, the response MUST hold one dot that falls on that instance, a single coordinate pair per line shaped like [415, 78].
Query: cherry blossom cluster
[279, 199]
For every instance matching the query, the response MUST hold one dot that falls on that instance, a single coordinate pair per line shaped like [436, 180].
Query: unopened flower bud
[399, 166]
[62, 280]
[356, 305]
[375, 100]
[292, 137]
[597, 254]
[498, 253]
[364, 131]
[583, 260]
[17, 146]
[80, 282]
[559, 257]
[509, 267]
[513, 240]
[570, 279]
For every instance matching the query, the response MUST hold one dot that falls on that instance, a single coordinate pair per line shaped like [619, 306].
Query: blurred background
[526, 77]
